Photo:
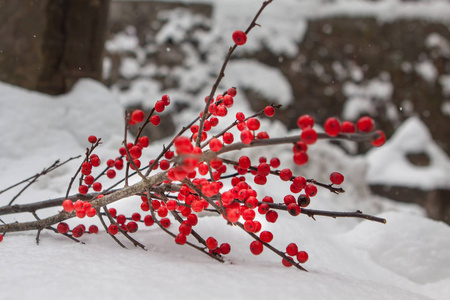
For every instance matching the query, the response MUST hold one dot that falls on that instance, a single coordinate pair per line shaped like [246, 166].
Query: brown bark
[48, 45]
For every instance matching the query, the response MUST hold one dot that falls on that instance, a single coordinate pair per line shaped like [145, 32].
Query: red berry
[211, 243]
[348, 127]
[163, 211]
[215, 145]
[78, 205]
[89, 180]
[132, 227]
[136, 217]
[95, 160]
[300, 158]
[303, 200]
[97, 186]
[225, 248]
[244, 162]
[240, 116]
[302, 256]
[253, 124]
[165, 99]
[263, 169]
[137, 116]
[311, 190]
[305, 121]
[300, 146]
[180, 239]
[63, 227]
[155, 120]
[288, 199]
[299, 182]
[275, 162]
[1, 238]
[92, 139]
[365, 124]
[83, 189]
[111, 173]
[192, 219]
[266, 236]
[286, 174]
[68, 205]
[78, 231]
[137, 163]
[286, 263]
[271, 216]
[294, 209]
[239, 37]
[292, 249]
[246, 136]
[269, 111]
[144, 141]
[159, 106]
[249, 225]
[248, 214]
[135, 152]
[145, 206]
[148, 220]
[332, 126]
[256, 247]
[309, 136]
[121, 219]
[165, 222]
[251, 202]
[380, 140]
[91, 212]
[93, 229]
[110, 163]
[258, 226]
[336, 178]
[228, 101]
[113, 212]
[113, 229]
[263, 208]
[231, 91]
[228, 138]
[233, 215]
[118, 164]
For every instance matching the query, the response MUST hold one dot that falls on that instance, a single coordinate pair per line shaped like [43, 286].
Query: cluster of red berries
[82, 208]
[91, 162]
[138, 116]
[333, 127]
[186, 160]
[77, 231]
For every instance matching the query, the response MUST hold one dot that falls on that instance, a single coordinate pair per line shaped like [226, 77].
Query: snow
[427, 70]
[123, 41]
[269, 82]
[389, 164]
[407, 258]
[348, 258]
[366, 97]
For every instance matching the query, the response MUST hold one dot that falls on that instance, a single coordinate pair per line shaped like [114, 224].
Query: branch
[222, 74]
[108, 199]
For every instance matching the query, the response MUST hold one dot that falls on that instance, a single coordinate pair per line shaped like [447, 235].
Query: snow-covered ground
[407, 258]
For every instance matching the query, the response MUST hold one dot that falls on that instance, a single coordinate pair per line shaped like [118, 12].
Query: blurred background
[387, 58]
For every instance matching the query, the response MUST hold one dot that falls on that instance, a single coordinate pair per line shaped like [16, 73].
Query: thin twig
[34, 178]
[106, 227]
[222, 74]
